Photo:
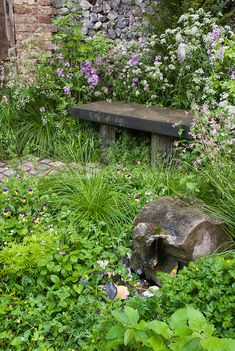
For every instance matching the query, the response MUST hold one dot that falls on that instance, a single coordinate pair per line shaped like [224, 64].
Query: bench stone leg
[160, 145]
[107, 135]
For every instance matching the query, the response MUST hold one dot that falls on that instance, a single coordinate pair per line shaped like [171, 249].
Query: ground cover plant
[51, 279]
[187, 329]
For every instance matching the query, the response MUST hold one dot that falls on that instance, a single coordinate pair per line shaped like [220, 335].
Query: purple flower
[135, 82]
[62, 252]
[158, 58]
[142, 42]
[23, 214]
[66, 90]
[136, 198]
[93, 80]
[42, 109]
[215, 32]
[30, 191]
[4, 190]
[66, 64]
[60, 72]
[134, 59]
[36, 220]
[6, 213]
[86, 67]
[99, 60]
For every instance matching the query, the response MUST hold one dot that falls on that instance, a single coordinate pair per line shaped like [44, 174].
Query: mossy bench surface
[157, 120]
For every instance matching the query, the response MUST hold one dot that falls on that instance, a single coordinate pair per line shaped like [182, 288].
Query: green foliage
[129, 148]
[22, 258]
[187, 329]
[22, 209]
[220, 202]
[88, 197]
[64, 301]
[206, 284]
[35, 111]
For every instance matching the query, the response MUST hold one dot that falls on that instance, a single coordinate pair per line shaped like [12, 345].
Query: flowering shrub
[191, 66]
[176, 69]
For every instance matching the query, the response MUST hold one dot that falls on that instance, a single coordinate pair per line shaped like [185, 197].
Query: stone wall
[116, 18]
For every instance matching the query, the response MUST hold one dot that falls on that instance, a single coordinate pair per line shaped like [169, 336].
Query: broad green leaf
[132, 314]
[192, 345]
[160, 328]
[215, 344]
[196, 320]
[141, 336]
[156, 343]
[191, 186]
[55, 279]
[112, 345]
[129, 336]
[73, 259]
[120, 317]
[187, 316]
[182, 331]
[116, 332]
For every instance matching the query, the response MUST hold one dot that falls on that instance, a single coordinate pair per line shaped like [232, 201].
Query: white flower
[181, 52]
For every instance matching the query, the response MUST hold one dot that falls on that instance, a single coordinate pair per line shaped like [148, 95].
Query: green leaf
[73, 259]
[132, 314]
[129, 317]
[120, 317]
[196, 320]
[111, 345]
[116, 332]
[160, 328]
[55, 279]
[191, 186]
[183, 317]
[156, 343]
[192, 345]
[215, 344]
[129, 336]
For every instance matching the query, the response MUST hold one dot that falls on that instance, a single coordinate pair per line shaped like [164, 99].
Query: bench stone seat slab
[158, 120]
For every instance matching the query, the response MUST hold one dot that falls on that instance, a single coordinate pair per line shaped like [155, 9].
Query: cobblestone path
[34, 167]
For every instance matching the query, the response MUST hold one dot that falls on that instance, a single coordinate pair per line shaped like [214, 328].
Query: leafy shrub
[187, 329]
[37, 108]
[168, 12]
[206, 284]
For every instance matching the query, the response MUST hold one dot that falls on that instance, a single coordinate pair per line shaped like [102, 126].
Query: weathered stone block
[168, 233]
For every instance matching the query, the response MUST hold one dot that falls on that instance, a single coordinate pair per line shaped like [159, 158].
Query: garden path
[27, 166]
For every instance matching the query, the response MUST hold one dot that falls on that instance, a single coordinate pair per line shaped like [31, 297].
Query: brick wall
[33, 18]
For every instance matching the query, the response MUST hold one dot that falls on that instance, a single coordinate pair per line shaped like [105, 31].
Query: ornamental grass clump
[88, 197]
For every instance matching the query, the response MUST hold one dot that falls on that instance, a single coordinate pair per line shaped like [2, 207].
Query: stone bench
[162, 123]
